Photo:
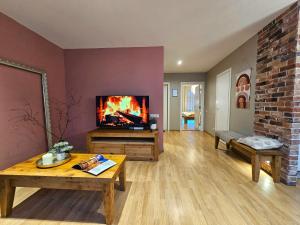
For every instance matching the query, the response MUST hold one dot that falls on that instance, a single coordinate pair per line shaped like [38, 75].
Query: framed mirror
[42, 79]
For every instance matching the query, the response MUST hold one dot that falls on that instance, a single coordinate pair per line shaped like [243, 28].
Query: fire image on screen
[122, 111]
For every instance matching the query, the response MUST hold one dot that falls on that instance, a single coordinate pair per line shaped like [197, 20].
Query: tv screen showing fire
[123, 112]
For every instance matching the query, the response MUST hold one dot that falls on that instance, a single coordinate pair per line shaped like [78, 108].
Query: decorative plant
[60, 110]
[61, 147]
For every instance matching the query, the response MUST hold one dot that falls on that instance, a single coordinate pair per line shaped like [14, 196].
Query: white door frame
[168, 106]
[229, 96]
[202, 85]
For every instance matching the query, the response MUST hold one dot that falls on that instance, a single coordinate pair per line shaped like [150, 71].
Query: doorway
[166, 116]
[192, 106]
[223, 88]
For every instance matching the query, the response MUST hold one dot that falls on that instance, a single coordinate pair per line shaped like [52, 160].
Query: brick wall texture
[277, 93]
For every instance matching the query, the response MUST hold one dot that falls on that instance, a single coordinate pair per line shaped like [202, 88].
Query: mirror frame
[44, 84]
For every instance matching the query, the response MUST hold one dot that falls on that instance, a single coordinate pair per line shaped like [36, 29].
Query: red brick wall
[277, 95]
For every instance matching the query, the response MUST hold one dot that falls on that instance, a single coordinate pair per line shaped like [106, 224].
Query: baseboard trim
[209, 133]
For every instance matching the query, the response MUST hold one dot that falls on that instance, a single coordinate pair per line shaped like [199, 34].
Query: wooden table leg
[156, 148]
[109, 202]
[217, 139]
[7, 195]
[228, 146]
[255, 161]
[276, 167]
[122, 178]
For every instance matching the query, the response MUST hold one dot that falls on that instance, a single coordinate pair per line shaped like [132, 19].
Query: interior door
[197, 106]
[166, 108]
[223, 86]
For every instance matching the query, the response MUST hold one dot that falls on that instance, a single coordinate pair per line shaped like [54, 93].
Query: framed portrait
[243, 89]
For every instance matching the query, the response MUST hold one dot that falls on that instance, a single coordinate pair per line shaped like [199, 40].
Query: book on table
[95, 165]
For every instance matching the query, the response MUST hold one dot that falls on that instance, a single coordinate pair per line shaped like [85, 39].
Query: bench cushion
[227, 136]
[260, 142]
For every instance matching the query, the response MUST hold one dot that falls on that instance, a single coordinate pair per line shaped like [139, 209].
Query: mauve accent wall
[113, 71]
[20, 44]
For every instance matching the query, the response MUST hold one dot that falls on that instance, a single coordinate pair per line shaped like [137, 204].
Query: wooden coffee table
[26, 174]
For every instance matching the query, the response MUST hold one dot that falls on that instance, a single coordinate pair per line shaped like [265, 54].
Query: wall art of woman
[243, 83]
[243, 89]
[241, 102]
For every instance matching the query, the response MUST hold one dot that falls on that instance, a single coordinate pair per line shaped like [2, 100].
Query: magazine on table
[95, 165]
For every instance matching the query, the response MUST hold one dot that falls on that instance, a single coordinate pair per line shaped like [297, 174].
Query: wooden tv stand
[136, 145]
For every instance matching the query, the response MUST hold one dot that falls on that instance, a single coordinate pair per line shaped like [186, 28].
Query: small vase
[60, 156]
[153, 126]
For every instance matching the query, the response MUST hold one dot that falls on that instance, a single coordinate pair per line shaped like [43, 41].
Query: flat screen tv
[122, 112]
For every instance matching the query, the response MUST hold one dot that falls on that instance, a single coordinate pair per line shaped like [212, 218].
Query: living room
[175, 116]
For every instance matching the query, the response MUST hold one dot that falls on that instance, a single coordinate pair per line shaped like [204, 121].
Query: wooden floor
[191, 184]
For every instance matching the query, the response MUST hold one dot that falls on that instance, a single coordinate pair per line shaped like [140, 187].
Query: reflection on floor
[187, 124]
[191, 184]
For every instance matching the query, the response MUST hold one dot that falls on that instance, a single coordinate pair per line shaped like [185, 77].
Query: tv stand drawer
[139, 152]
[108, 148]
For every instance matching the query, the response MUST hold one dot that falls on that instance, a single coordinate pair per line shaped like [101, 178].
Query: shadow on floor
[69, 205]
[233, 153]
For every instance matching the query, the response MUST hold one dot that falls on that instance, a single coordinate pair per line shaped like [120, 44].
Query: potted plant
[61, 150]
[153, 123]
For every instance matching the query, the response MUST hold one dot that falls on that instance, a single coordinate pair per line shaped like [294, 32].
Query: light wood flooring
[192, 184]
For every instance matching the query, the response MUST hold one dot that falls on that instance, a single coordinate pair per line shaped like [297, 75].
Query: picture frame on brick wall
[243, 89]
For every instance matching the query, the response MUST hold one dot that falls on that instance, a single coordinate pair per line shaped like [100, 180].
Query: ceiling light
[179, 62]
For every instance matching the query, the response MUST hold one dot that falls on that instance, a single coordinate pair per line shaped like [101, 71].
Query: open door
[196, 90]
[191, 117]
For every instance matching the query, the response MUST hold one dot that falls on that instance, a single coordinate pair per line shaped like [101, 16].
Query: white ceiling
[200, 32]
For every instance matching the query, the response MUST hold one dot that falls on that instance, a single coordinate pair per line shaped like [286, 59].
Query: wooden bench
[257, 157]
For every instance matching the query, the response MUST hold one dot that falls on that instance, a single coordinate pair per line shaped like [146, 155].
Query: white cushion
[260, 142]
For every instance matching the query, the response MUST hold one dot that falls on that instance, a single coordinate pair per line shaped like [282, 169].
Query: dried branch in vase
[26, 115]
[60, 110]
